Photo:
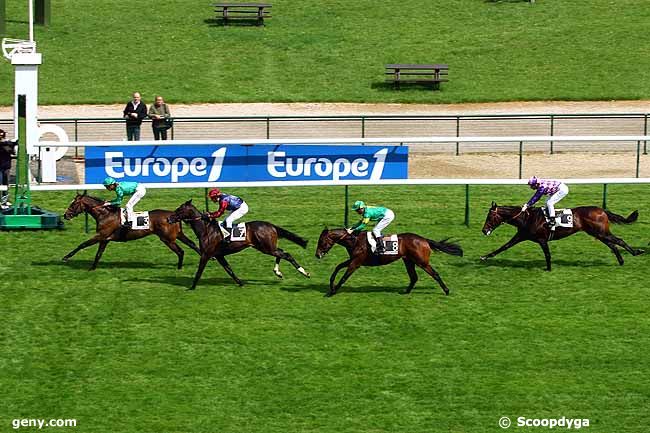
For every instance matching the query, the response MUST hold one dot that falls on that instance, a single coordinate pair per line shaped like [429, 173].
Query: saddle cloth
[563, 217]
[391, 244]
[141, 220]
[238, 231]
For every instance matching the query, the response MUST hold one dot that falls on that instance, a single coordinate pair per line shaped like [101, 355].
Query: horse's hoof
[446, 292]
[639, 252]
[307, 274]
[404, 292]
[483, 258]
[65, 259]
[329, 294]
[190, 289]
[279, 275]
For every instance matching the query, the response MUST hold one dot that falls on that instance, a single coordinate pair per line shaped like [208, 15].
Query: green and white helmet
[358, 205]
[109, 181]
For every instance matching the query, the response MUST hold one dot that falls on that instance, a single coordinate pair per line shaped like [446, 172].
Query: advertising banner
[244, 163]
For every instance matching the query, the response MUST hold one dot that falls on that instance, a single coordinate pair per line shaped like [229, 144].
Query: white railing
[356, 140]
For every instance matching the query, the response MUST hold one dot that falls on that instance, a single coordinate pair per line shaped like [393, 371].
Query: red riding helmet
[214, 193]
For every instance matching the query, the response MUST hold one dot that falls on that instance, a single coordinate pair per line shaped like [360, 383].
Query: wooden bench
[250, 11]
[418, 74]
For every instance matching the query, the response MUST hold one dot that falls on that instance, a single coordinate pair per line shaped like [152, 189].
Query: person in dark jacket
[7, 149]
[134, 112]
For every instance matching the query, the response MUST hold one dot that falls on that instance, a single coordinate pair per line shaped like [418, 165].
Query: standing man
[159, 113]
[7, 149]
[134, 112]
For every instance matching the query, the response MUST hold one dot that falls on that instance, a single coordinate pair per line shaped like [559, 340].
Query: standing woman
[159, 113]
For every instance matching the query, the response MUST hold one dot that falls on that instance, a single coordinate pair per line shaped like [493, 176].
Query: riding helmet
[214, 193]
[358, 205]
[109, 181]
[532, 181]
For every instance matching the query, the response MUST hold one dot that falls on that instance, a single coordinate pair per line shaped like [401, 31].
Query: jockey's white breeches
[140, 191]
[235, 215]
[562, 191]
[387, 219]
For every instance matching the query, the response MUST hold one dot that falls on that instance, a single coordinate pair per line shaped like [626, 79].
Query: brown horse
[413, 250]
[261, 235]
[531, 226]
[109, 228]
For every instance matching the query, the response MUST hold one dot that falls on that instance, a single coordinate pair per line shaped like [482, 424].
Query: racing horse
[413, 250]
[261, 235]
[531, 226]
[109, 228]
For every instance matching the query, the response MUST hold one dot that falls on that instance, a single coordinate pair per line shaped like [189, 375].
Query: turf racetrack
[127, 349]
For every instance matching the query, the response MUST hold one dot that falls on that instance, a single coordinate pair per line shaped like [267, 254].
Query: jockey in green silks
[382, 215]
[134, 189]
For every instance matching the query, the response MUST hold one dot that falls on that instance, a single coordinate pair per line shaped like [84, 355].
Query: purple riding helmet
[532, 182]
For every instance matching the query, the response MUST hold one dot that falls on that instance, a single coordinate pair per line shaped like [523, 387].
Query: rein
[510, 219]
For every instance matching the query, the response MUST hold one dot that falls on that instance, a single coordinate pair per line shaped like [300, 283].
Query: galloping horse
[531, 226]
[109, 228]
[261, 235]
[413, 250]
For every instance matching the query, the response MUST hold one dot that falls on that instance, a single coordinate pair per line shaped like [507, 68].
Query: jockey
[555, 189]
[237, 207]
[383, 215]
[134, 189]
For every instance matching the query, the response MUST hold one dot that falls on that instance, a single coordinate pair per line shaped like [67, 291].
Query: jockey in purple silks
[555, 189]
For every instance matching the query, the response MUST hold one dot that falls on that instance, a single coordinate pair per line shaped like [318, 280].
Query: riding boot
[227, 235]
[380, 245]
[551, 223]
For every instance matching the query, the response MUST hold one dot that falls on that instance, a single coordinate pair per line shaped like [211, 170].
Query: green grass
[100, 52]
[127, 349]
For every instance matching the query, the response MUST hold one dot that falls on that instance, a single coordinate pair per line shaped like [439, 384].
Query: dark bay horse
[531, 226]
[413, 250]
[109, 228]
[261, 235]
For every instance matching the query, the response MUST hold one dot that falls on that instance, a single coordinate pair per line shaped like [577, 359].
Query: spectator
[7, 148]
[159, 112]
[134, 112]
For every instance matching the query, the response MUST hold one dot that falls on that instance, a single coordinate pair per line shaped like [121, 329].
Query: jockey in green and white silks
[382, 215]
[134, 189]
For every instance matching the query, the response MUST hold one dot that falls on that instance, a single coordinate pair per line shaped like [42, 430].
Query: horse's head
[328, 238]
[76, 207]
[184, 212]
[493, 220]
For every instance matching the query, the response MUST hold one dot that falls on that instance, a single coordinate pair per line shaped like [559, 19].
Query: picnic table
[256, 11]
[417, 73]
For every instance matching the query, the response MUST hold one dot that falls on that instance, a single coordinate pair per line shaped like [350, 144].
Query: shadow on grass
[86, 264]
[351, 288]
[531, 264]
[185, 281]
[384, 86]
[238, 22]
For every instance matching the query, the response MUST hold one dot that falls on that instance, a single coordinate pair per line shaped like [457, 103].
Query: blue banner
[239, 163]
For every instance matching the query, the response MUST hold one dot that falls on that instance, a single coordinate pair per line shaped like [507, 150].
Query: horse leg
[429, 270]
[226, 266]
[100, 251]
[86, 244]
[620, 242]
[352, 266]
[187, 241]
[336, 271]
[410, 268]
[512, 242]
[547, 254]
[612, 247]
[172, 245]
[199, 271]
[280, 254]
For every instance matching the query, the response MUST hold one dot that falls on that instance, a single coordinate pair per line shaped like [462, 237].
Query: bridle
[509, 219]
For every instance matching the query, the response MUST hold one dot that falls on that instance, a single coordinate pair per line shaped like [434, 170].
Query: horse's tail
[286, 234]
[446, 247]
[617, 219]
